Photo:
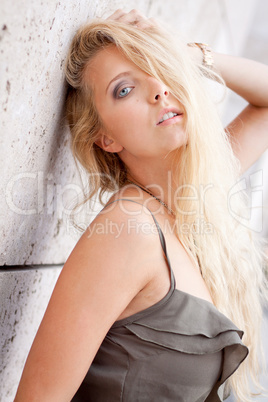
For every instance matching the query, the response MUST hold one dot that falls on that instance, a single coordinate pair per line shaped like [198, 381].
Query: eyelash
[117, 92]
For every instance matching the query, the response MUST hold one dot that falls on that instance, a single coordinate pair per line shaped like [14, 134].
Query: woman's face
[142, 119]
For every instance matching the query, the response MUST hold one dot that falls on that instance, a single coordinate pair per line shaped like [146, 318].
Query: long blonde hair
[230, 259]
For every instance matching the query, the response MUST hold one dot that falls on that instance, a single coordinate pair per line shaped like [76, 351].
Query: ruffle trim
[193, 325]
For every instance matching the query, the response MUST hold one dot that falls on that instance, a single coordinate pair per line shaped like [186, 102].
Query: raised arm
[249, 79]
[249, 130]
[100, 278]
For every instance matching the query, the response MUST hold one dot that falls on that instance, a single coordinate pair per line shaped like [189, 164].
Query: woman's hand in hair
[133, 17]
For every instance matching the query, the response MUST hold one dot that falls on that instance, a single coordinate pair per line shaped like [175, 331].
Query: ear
[108, 144]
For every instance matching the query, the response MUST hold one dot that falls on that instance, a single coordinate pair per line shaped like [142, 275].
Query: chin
[177, 144]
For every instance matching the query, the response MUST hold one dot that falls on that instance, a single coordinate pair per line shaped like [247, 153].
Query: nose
[157, 90]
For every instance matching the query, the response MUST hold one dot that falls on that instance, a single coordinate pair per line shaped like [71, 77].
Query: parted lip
[167, 110]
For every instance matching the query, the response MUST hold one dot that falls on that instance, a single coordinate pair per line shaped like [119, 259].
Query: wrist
[204, 54]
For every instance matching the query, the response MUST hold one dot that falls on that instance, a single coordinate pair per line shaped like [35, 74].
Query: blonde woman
[153, 301]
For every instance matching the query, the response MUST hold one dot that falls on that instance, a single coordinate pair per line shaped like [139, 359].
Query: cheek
[125, 118]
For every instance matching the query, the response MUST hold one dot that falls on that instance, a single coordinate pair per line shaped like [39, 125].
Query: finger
[143, 24]
[116, 15]
[133, 17]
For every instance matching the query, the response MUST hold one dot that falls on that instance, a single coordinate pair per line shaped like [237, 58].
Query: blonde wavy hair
[230, 259]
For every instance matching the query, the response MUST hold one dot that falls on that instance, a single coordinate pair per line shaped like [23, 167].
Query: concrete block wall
[39, 179]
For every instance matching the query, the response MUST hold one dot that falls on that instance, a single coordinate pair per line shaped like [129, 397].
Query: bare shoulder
[115, 247]
[108, 267]
[123, 227]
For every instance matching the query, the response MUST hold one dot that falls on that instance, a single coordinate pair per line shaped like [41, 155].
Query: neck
[157, 179]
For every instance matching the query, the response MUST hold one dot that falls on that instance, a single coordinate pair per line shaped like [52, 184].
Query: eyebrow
[124, 74]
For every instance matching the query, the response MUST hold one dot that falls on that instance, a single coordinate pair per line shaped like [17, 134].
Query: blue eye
[124, 92]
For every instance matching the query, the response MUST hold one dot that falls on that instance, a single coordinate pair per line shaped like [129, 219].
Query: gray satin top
[180, 349]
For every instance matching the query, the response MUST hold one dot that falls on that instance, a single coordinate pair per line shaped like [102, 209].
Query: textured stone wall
[38, 177]
[24, 296]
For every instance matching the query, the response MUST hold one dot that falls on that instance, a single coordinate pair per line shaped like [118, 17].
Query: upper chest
[187, 276]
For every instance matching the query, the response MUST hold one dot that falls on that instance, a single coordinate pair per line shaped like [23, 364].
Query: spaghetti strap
[161, 237]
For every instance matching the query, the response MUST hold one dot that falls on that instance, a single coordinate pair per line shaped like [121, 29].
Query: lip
[169, 121]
